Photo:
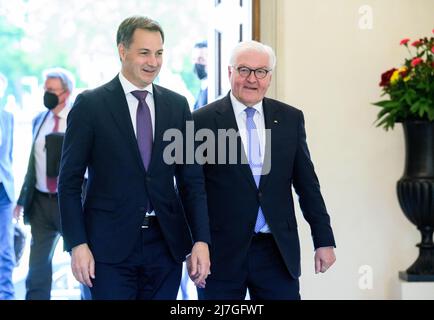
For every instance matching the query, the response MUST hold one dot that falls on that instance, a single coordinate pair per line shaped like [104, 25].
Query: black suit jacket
[100, 136]
[234, 199]
[27, 190]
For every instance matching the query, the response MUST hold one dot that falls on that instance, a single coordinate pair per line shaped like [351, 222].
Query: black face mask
[199, 69]
[51, 100]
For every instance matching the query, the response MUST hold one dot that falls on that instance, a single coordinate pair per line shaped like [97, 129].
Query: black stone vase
[416, 194]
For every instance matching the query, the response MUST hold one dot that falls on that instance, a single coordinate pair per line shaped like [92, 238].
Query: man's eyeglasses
[245, 72]
[55, 91]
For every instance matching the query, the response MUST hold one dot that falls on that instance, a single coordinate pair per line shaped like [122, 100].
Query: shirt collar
[127, 86]
[239, 107]
[63, 114]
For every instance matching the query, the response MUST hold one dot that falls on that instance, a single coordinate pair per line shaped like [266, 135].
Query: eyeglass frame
[252, 70]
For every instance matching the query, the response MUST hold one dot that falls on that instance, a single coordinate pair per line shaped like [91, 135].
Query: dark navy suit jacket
[100, 137]
[234, 199]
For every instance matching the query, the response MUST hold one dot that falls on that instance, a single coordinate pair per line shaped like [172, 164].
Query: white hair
[65, 77]
[252, 45]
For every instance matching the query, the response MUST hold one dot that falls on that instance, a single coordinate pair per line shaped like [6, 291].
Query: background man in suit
[135, 228]
[7, 198]
[38, 195]
[200, 61]
[253, 226]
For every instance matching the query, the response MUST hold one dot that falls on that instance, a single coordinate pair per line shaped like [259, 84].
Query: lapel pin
[275, 121]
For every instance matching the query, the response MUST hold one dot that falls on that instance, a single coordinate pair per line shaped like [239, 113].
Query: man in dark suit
[38, 196]
[7, 198]
[135, 229]
[255, 243]
[200, 61]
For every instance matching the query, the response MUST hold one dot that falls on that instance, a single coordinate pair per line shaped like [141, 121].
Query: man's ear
[122, 51]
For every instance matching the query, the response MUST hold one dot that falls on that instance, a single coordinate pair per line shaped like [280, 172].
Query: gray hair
[65, 77]
[129, 25]
[252, 45]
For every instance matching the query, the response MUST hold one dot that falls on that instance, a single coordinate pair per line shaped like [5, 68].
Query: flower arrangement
[410, 88]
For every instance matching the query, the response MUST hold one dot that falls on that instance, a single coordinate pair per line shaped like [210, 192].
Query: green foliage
[81, 36]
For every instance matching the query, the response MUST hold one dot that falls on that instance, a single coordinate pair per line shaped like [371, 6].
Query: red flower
[385, 77]
[404, 73]
[404, 41]
[417, 43]
[416, 61]
[432, 49]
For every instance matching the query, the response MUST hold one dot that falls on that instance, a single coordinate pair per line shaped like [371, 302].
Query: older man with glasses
[255, 243]
[38, 196]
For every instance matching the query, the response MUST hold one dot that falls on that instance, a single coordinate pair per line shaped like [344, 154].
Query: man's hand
[198, 264]
[324, 258]
[83, 264]
[18, 212]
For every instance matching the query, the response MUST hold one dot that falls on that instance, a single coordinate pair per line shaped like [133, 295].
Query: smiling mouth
[149, 71]
[250, 88]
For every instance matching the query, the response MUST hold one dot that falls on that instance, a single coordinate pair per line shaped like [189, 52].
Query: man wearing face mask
[38, 197]
[200, 58]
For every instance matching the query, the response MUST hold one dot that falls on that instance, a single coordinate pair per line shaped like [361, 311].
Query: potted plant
[410, 91]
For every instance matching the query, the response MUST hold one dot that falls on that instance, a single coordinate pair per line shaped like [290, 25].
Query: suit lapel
[271, 116]
[162, 114]
[38, 125]
[225, 119]
[116, 103]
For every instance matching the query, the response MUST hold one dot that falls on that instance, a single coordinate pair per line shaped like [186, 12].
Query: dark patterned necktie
[143, 127]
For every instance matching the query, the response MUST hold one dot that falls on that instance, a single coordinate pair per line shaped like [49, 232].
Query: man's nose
[251, 77]
[152, 61]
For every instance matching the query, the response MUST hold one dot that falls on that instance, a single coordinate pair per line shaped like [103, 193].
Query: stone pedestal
[416, 290]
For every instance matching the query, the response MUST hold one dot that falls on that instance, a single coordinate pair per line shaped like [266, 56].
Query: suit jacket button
[259, 194]
[148, 179]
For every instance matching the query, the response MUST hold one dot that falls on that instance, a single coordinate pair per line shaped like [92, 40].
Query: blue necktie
[143, 127]
[254, 157]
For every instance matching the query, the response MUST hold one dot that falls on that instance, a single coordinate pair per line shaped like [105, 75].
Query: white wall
[330, 68]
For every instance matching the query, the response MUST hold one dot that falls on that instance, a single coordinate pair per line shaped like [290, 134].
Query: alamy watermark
[201, 147]
[366, 20]
[366, 280]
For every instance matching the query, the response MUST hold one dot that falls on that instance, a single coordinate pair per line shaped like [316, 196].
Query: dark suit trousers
[148, 273]
[264, 273]
[46, 231]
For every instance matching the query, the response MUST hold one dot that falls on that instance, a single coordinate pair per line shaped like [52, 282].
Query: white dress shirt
[259, 120]
[40, 150]
[133, 102]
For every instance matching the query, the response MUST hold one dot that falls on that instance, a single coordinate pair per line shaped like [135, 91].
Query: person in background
[38, 196]
[7, 198]
[129, 238]
[254, 236]
[200, 61]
